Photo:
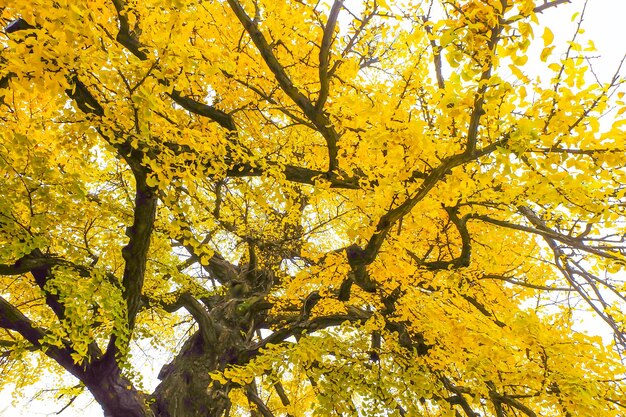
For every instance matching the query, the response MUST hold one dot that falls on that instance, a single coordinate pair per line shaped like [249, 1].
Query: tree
[329, 208]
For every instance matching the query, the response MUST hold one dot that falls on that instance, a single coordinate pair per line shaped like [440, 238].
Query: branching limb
[463, 260]
[549, 4]
[436, 56]
[13, 319]
[41, 267]
[217, 266]
[513, 403]
[324, 55]
[131, 42]
[223, 119]
[17, 25]
[202, 318]
[135, 253]
[258, 402]
[458, 397]
[28, 263]
[569, 270]
[282, 395]
[483, 310]
[125, 36]
[85, 101]
[549, 234]
[359, 258]
[388, 220]
[318, 118]
[292, 173]
[298, 327]
[479, 96]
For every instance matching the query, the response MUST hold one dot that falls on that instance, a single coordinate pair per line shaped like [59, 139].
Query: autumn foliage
[359, 208]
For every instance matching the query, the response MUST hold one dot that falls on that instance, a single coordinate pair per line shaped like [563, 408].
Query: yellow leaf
[152, 181]
[520, 60]
[555, 67]
[545, 53]
[548, 37]
[518, 73]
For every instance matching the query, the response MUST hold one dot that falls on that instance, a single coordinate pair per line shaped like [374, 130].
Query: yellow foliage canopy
[354, 208]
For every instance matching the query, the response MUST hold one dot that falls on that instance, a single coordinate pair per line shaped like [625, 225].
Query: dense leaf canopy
[365, 208]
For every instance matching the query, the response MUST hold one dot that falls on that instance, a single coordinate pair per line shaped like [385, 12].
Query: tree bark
[114, 392]
[186, 388]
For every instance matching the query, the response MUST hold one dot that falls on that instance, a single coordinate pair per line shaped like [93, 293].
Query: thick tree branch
[131, 41]
[144, 213]
[13, 319]
[511, 402]
[388, 220]
[223, 119]
[483, 310]
[125, 37]
[17, 25]
[268, 97]
[258, 402]
[42, 275]
[28, 263]
[135, 253]
[459, 398]
[436, 55]
[318, 118]
[202, 318]
[324, 56]
[359, 258]
[293, 173]
[463, 260]
[217, 266]
[318, 323]
[4, 83]
[479, 96]
[41, 267]
[280, 390]
[83, 98]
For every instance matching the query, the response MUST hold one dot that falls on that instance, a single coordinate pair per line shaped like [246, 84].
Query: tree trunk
[114, 392]
[187, 389]
[184, 390]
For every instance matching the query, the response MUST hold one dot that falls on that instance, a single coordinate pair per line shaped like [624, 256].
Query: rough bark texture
[114, 392]
[186, 388]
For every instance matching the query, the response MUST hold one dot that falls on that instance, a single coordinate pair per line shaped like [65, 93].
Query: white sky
[605, 23]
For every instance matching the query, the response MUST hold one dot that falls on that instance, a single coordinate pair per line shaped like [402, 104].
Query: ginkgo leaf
[545, 53]
[548, 36]
[298, 208]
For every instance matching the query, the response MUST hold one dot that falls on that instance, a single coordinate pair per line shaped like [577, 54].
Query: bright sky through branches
[455, 192]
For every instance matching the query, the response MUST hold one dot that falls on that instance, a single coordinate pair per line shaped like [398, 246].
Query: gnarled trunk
[186, 388]
[114, 392]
